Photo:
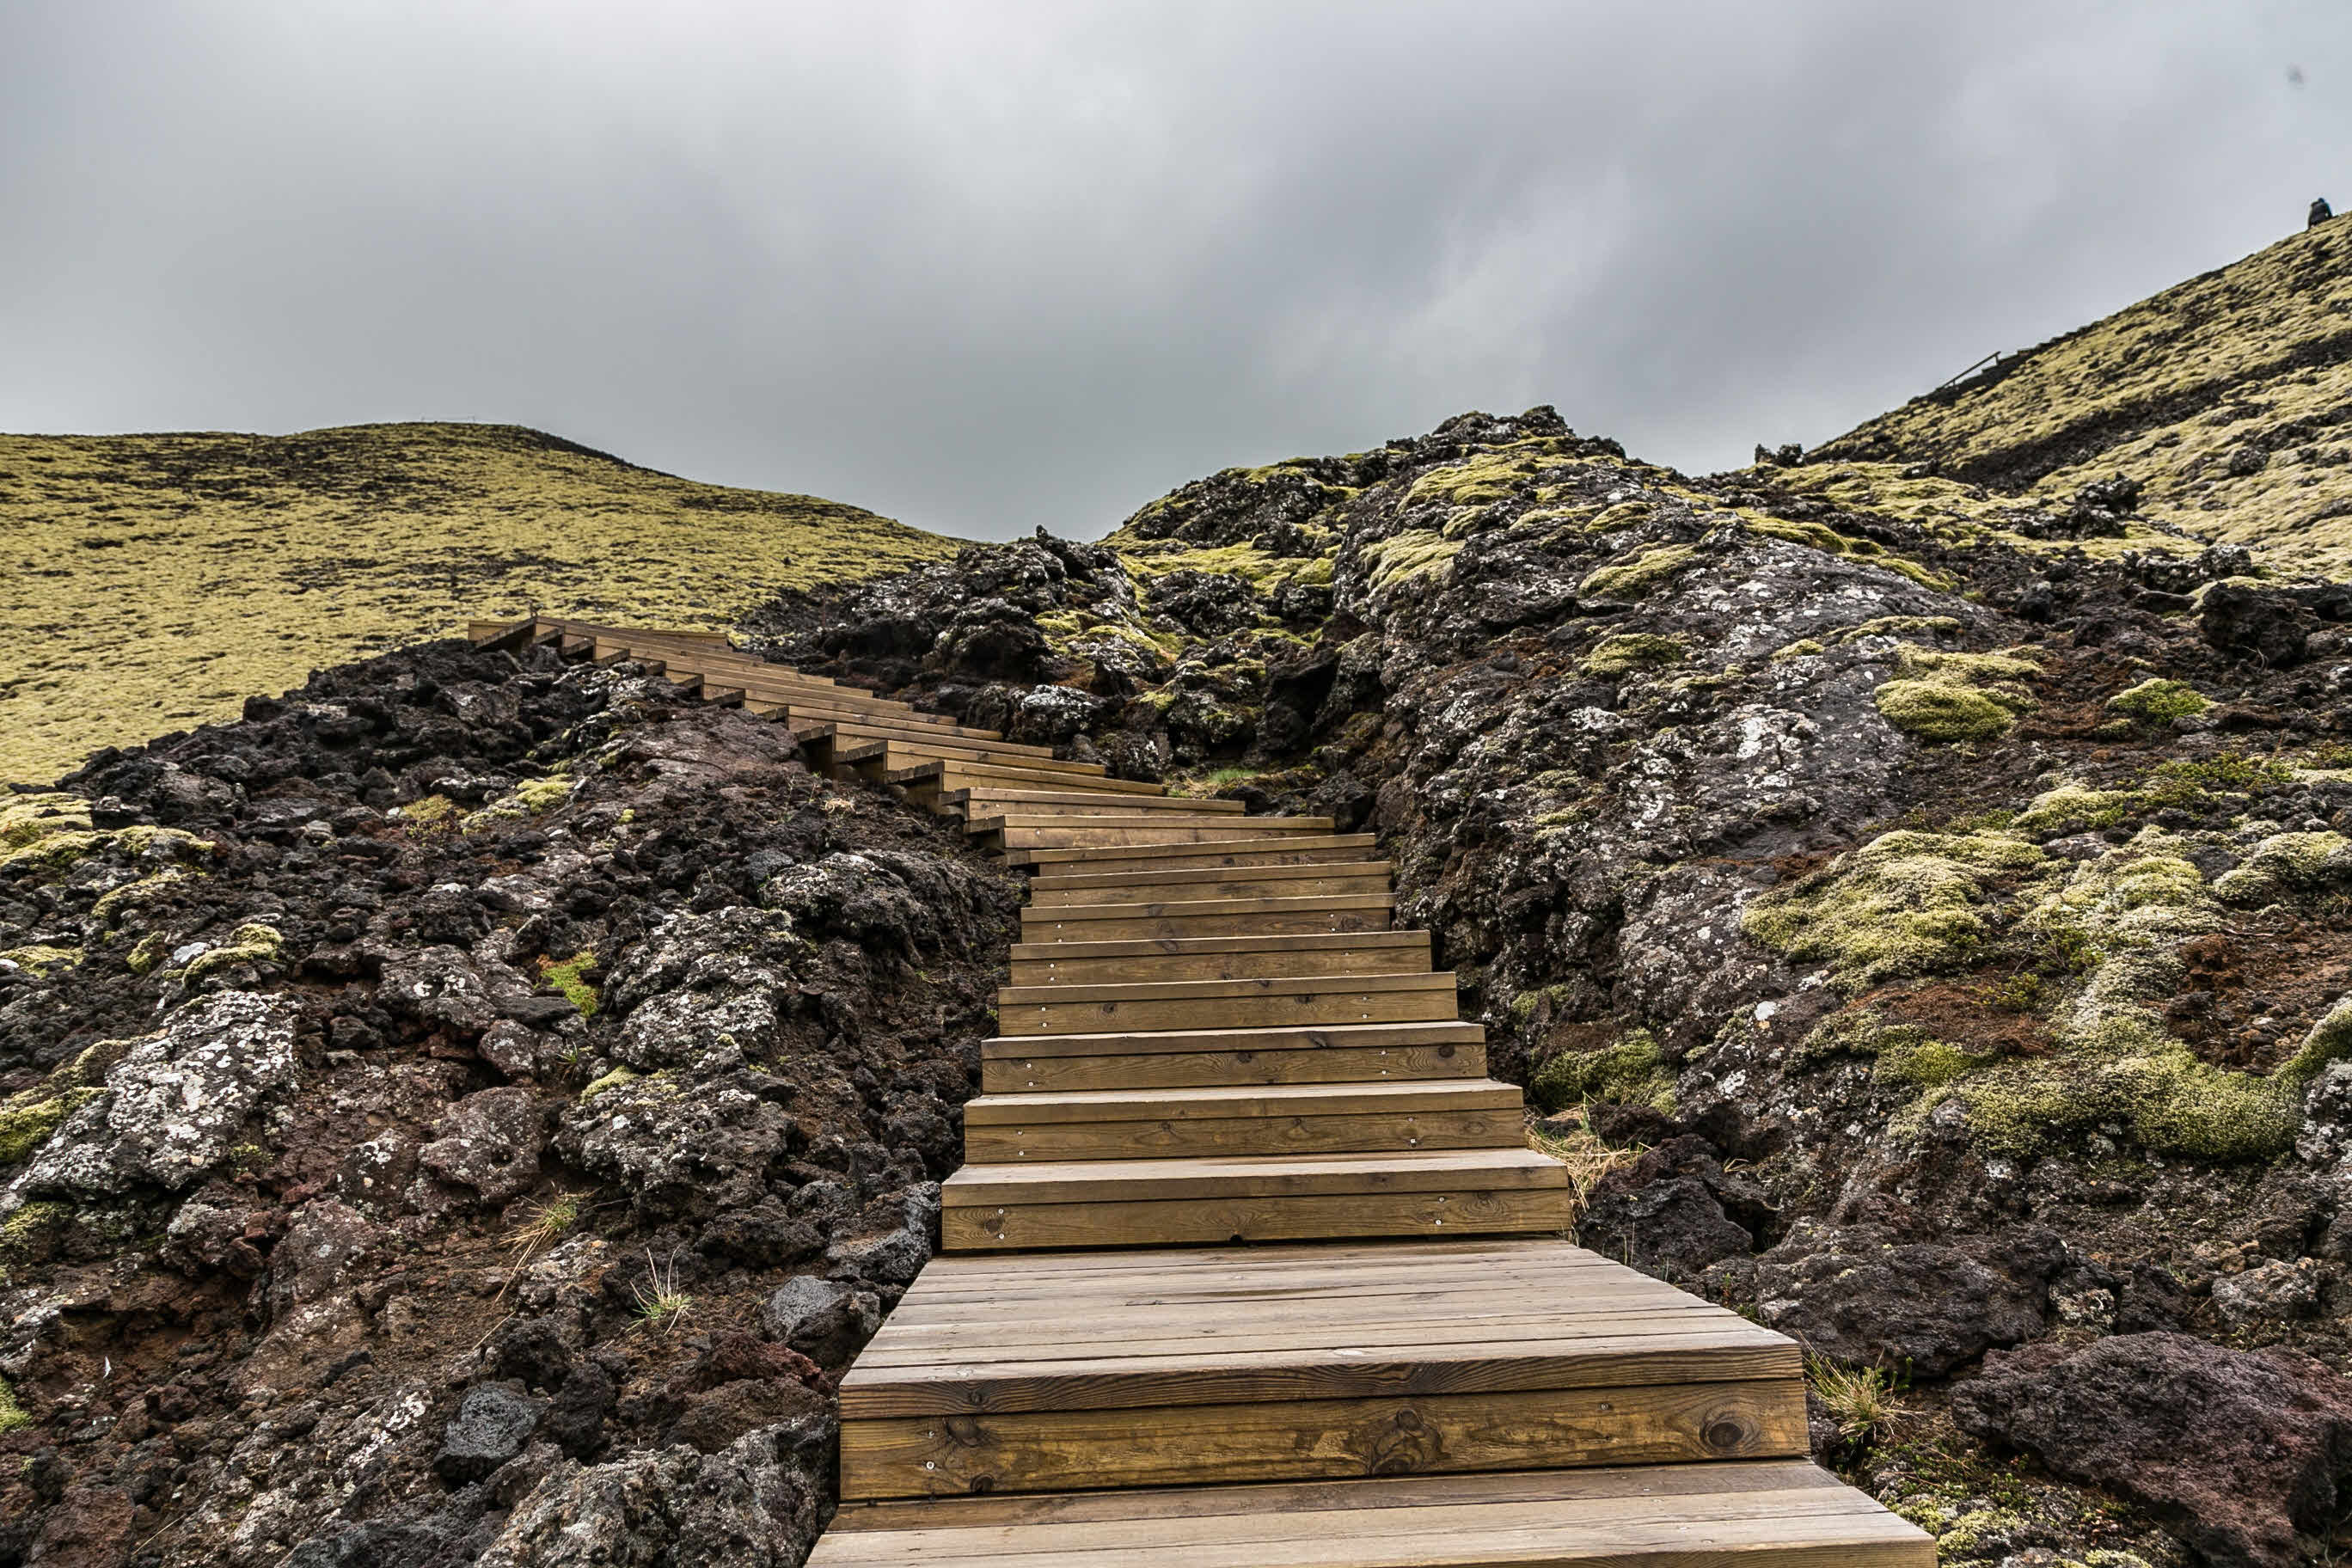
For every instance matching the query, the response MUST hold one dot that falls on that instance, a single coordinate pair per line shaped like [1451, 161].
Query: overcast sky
[987, 266]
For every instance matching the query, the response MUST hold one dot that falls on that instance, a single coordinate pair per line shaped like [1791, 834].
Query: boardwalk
[1251, 1265]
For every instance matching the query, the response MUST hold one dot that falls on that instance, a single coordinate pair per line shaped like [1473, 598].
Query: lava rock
[2236, 1451]
[489, 1142]
[1857, 1295]
[2255, 622]
[824, 1320]
[490, 1428]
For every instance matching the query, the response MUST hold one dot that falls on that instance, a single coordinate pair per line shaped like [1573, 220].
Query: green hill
[157, 580]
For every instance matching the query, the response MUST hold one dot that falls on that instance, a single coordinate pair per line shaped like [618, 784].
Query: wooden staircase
[1251, 1265]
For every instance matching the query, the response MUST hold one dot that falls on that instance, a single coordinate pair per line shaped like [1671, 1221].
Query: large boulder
[1858, 1295]
[173, 1106]
[2236, 1451]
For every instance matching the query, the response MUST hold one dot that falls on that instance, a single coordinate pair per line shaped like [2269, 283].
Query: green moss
[2072, 809]
[250, 943]
[25, 1127]
[28, 1232]
[111, 906]
[1402, 557]
[1907, 903]
[1626, 1073]
[27, 818]
[1629, 651]
[39, 958]
[434, 814]
[149, 952]
[565, 978]
[613, 1079]
[1634, 578]
[532, 797]
[1902, 626]
[1624, 514]
[1936, 694]
[13, 1416]
[1801, 648]
[2159, 701]
[2282, 866]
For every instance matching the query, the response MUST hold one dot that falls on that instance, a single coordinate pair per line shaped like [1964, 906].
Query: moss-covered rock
[1907, 903]
[1628, 652]
[2159, 701]
[1651, 569]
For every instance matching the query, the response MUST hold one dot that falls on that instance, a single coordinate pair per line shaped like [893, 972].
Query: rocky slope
[465, 1110]
[154, 581]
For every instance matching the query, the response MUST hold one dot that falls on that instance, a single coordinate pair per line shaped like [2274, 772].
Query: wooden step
[1317, 880]
[988, 800]
[1759, 1513]
[998, 1375]
[1244, 1122]
[1268, 851]
[1208, 918]
[1218, 958]
[1013, 832]
[1289, 1002]
[1045, 776]
[1176, 1203]
[828, 737]
[796, 711]
[1202, 1059]
[902, 766]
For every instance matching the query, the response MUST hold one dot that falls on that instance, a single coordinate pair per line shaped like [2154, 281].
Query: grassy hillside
[153, 581]
[2229, 397]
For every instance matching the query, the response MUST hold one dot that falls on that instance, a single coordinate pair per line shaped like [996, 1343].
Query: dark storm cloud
[986, 267]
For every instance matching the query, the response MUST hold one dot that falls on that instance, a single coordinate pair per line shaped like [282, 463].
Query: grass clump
[567, 978]
[1629, 651]
[1626, 1073]
[1937, 696]
[543, 1225]
[1860, 1400]
[1907, 903]
[2159, 701]
[434, 813]
[660, 1302]
[1633, 579]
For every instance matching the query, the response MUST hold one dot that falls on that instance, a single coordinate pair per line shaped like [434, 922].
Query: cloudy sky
[984, 266]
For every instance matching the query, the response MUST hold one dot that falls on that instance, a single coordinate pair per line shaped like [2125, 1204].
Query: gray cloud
[985, 266]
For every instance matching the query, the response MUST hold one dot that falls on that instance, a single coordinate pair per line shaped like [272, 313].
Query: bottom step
[1783, 1513]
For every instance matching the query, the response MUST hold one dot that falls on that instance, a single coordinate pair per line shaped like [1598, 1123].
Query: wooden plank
[1045, 802]
[1043, 775]
[1210, 918]
[1212, 1443]
[1331, 1000]
[1519, 1169]
[888, 763]
[1270, 851]
[1330, 1099]
[1444, 1033]
[1205, 1068]
[1129, 1140]
[1313, 881]
[1219, 958]
[1704, 1513]
[908, 739]
[1653, 1354]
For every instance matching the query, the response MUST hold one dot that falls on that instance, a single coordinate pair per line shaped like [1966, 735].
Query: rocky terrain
[151, 583]
[469, 1109]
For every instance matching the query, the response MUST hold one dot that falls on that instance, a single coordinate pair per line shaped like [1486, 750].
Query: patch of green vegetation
[27, 818]
[1626, 1073]
[148, 952]
[532, 797]
[39, 958]
[2073, 808]
[110, 906]
[432, 815]
[1413, 554]
[1803, 647]
[1624, 514]
[566, 978]
[32, 1229]
[613, 1079]
[1907, 903]
[250, 943]
[375, 535]
[13, 1416]
[1936, 694]
[1260, 569]
[1902, 626]
[27, 1124]
[1483, 478]
[2159, 701]
[2282, 866]
[1633, 579]
[1629, 651]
